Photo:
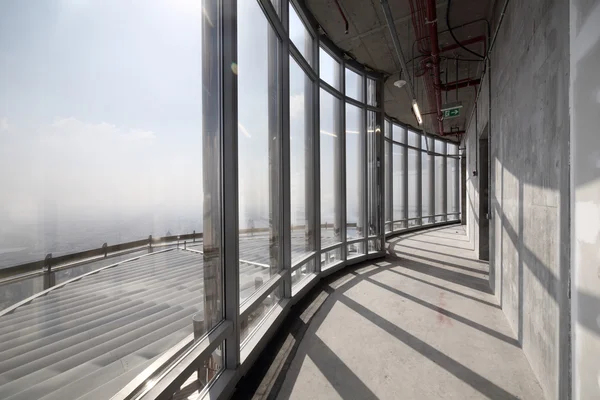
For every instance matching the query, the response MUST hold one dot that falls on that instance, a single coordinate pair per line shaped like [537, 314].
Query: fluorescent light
[415, 108]
[328, 133]
[244, 131]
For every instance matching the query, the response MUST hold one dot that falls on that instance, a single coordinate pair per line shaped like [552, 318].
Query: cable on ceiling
[452, 33]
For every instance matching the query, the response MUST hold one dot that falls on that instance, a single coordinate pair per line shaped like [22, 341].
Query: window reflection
[414, 139]
[398, 133]
[330, 115]
[452, 182]
[426, 171]
[354, 85]
[373, 161]
[299, 35]
[399, 163]
[301, 163]
[413, 186]
[440, 180]
[371, 92]
[387, 171]
[258, 147]
[355, 172]
[329, 69]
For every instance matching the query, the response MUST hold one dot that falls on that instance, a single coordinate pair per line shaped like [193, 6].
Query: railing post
[49, 279]
[198, 323]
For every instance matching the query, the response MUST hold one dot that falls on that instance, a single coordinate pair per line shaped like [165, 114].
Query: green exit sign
[452, 112]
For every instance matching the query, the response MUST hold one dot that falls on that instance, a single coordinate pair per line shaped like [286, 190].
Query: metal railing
[51, 263]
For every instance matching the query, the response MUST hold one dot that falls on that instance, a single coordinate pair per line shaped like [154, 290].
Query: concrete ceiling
[369, 42]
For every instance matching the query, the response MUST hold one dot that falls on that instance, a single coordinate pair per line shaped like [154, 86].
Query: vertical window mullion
[285, 182]
[229, 170]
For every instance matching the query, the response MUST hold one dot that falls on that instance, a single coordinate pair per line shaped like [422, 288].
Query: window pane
[258, 144]
[414, 138]
[399, 133]
[302, 272]
[413, 178]
[250, 323]
[301, 162]
[374, 245]
[399, 179]
[355, 172]
[330, 113]
[330, 258]
[111, 128]
[426, 194]
[373, 132]
[329, 69]
[440, 179]
[207, 370]
[371, 92]
[387, 171]
[354, 85]
[299, 35]
[355, 250]
[452, 186]
[452, 171]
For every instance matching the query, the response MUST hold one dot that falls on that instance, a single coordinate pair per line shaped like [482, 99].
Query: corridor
[419, 324]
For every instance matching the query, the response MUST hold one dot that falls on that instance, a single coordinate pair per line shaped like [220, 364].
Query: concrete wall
[529, 156]
[585, 195]
[479, 120]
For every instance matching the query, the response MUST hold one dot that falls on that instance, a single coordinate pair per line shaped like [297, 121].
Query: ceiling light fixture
[415, 108]
[400, 82]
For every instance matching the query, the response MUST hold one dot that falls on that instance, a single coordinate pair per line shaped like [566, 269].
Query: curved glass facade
[181, 198]
[422, 172]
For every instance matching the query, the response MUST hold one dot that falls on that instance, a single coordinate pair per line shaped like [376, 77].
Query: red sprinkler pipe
[435, 59]
[343, 16]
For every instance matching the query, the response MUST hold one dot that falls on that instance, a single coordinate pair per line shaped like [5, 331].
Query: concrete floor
[421, 324]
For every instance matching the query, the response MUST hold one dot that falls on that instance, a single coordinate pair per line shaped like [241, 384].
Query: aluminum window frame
[238, 355]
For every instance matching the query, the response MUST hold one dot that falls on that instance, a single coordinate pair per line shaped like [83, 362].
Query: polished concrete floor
[419, 324]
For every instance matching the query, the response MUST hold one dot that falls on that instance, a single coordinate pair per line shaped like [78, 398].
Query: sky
[100, 104]
[101, 113]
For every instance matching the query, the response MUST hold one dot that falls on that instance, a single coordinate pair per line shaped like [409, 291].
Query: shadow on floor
[275, 366]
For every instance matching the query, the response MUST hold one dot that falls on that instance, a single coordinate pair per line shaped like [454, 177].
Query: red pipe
[343, 16]
[435, 56]
[459, 84]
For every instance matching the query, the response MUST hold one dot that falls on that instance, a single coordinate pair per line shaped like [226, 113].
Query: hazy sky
[101, 109]
[100, 106]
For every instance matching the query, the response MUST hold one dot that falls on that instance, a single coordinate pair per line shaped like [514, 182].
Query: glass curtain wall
[116, 134]
[452, 165]
[388, 182]
[302, 209]
[440, 181]
[421, 179]
[330, 152]
[427, 192]
[355, 182]
[373, 179]
[259, 136]
[283, 167]
[399, 178]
